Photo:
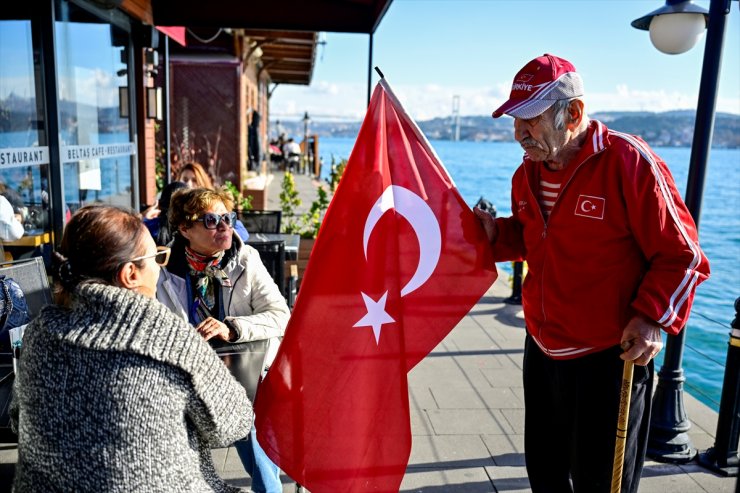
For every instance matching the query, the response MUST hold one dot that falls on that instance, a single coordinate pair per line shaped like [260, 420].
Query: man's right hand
[488, 223]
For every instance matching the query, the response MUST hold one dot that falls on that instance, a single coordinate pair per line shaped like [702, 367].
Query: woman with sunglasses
[114, 392]
[194, 176]
[229, 294]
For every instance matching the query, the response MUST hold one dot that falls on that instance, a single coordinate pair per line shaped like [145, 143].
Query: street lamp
[675, 27]
[668, 440]
[306, 121]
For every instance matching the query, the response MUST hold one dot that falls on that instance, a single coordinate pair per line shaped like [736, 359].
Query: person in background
[228, 295]
[194, 176]
[159, 226]
[292, 155]
[613, 259]
[11, 225]
[114, 392]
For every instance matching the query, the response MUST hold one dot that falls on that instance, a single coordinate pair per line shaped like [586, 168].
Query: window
[24, 155]
[96, 148]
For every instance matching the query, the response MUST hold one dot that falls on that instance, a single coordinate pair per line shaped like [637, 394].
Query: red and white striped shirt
[550, 183]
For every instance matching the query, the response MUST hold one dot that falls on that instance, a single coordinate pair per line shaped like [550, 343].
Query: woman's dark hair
[97, 242]
[165, 235]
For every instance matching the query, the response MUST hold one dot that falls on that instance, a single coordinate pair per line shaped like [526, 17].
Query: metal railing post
[516, 285]
[723, 457]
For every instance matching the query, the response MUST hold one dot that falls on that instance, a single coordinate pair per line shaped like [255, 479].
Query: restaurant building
[87, 87]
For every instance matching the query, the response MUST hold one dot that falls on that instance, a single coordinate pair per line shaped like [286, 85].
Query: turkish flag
[400, 259]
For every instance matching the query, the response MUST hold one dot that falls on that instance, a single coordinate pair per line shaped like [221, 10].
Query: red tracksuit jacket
[619, 241]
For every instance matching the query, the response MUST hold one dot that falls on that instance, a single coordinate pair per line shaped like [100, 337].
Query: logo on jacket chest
[590, 206]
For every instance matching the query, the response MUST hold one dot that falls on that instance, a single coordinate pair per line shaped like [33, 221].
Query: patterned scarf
[203, 270]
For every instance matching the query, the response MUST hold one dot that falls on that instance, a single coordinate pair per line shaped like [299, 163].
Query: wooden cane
[625, 395]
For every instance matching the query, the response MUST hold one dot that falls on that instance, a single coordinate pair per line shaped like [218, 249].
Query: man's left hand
[641, 340]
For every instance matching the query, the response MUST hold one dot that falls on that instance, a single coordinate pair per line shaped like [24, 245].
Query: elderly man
[613, 258]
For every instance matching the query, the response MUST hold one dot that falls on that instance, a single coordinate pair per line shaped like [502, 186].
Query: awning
[176, 33]
[287, 55]
[351, 16]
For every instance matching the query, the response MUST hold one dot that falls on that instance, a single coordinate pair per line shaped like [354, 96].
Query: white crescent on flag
[422, 220]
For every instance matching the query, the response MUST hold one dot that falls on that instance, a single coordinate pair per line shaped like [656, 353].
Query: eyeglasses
[161, 257]
[211, 220]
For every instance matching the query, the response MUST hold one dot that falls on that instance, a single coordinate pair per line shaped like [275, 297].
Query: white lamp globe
[676, 33]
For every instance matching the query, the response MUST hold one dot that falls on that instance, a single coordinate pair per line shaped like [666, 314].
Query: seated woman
[194, 176]
[114, 392]
[229, 295]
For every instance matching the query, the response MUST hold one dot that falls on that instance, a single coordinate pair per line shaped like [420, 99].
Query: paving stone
[464, 480]
[506, 450]
[420, 423]
[503, 377]
[515, 418]
[449, 452]
[420, 397]
[508, 478]
[474, 398]
[469, 422]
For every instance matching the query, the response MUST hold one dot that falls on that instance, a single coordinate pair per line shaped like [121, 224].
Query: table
[30, 240]
[291, 242]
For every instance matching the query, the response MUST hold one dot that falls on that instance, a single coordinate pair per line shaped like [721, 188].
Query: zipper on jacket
[544, 233]
[544, 237]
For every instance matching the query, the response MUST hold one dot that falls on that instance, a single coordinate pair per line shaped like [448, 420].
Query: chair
[261, 221]
[30, 275]
[272, 254]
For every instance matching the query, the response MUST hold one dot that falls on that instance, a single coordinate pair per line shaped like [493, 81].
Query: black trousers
[571, 409]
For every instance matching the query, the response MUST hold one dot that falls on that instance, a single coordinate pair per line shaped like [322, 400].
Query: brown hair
[188, 204]
[98, 240]
[202, 180]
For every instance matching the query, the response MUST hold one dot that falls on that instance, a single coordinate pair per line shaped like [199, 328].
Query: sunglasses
[211, 220]
[161, 257]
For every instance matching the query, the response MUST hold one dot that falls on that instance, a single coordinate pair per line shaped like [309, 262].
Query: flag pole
[379, 72]
[622, 422]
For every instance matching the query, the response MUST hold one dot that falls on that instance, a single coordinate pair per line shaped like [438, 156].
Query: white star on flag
[376, 315]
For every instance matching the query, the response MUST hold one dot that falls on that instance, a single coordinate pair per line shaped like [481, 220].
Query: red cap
[539, 84]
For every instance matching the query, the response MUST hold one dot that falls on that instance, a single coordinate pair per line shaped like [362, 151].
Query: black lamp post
[306, 154]
[669, 441]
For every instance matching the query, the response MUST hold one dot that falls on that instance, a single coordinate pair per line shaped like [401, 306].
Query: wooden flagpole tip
[379, 73]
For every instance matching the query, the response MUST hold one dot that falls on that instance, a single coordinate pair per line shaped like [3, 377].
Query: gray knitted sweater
[120, 394]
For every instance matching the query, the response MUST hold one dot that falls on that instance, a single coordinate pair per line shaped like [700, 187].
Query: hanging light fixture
[675, 27]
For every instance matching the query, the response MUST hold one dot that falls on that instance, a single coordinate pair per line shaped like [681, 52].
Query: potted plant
[241, 203]
[307, 224]
[289, 202]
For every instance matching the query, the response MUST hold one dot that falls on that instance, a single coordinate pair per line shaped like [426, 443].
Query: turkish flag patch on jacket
[590, 206]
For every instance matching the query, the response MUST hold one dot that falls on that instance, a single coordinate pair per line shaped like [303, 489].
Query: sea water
[484, 169]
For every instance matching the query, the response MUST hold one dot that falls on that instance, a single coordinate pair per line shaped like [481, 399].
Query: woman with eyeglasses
[228, 295]
[114, 392]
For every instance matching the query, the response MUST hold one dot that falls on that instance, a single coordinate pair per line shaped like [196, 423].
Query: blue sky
[431, 50]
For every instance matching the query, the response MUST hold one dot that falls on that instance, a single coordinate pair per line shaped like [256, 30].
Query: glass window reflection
[23, 156]
[91, 56]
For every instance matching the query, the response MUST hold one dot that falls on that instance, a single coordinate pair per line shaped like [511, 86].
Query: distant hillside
[670, 128]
